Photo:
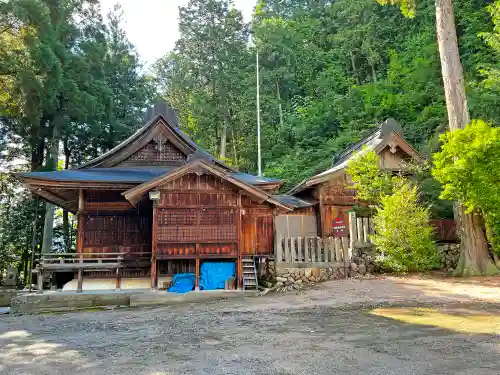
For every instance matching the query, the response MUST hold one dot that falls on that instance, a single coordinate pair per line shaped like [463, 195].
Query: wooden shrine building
[158, 204]
[331, 188]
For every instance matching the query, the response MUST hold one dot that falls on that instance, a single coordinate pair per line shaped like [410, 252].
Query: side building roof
[377, 140]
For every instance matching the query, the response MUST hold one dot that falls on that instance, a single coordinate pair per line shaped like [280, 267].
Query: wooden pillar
[81, 223]
[321, 215]
[197, 275]
[154, 242]
[80, 237]
[239, 249]
[79, 249]
[118, 279]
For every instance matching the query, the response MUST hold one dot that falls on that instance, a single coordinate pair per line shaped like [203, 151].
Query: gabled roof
[162, 123]
[134, 194]
[389, 131]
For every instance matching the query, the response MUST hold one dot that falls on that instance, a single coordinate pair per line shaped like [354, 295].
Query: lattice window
[197, 225]
[160, 151]
[168, 217]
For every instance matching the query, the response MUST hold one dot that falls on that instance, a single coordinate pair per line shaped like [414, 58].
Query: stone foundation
[362, 263]
[6, 295]
[295, 278]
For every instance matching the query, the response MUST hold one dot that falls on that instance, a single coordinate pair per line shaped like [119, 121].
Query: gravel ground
[326, 330]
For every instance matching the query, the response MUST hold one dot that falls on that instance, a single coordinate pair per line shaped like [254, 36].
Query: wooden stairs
[249, 274]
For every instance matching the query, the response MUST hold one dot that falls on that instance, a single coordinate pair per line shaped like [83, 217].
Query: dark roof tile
[127, 175]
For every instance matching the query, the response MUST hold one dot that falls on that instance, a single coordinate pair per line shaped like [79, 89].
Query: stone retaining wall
[362, 263]
[449, 254]
[296, 278]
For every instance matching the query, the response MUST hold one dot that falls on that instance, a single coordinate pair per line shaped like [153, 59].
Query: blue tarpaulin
[182, 283]
[213, 275]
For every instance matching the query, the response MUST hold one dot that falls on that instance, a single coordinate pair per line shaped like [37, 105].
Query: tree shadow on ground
[476, 289]
[22, 350]
[452, 339]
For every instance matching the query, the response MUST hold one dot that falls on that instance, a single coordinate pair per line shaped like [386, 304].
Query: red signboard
[339, 228]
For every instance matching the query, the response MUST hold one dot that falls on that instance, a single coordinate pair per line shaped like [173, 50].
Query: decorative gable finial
[389, 126]
[163, 109]
[160, 142]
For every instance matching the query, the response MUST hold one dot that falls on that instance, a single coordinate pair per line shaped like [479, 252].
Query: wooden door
[257, 235]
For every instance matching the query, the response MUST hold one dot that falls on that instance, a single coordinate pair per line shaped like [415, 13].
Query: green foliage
[17, 211]
[369, 180]
[402, 230]
[467, 167]
[408, 7]
[66, 76]
[208, 75]
[330, 71]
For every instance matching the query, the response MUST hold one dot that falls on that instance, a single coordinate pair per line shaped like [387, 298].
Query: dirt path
[320, 331]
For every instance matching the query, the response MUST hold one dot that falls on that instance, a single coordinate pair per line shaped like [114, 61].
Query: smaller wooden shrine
[331, 187]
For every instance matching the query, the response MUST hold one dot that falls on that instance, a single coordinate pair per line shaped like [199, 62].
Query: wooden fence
[307, 250]
[360, 229]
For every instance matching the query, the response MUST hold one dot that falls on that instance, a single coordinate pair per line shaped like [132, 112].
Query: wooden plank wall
[335, 202]
[257, 228]
[111, 224]
[312, 251]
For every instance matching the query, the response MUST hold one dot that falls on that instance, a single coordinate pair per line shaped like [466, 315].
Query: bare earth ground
[335, 328]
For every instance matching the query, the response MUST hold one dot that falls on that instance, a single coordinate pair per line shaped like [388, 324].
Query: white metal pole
[259, 161]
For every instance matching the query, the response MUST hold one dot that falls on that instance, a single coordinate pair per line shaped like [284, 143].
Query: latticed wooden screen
[196, 225]
[197, 211]
[116, 234]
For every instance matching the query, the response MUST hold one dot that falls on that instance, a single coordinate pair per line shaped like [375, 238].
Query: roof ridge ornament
[390, 126]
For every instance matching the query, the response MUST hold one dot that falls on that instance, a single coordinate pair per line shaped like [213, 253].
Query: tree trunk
[374, 73]
[451, 67]
[474, 255]
[474, 258]
[223, 140]
[48, 226]
[354, 71]
[280, 108]
[37, 146]
[235, 151]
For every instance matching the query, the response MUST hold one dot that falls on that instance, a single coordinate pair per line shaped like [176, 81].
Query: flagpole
[259, 161]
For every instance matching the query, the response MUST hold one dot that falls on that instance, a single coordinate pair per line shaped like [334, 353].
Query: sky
[152, 25]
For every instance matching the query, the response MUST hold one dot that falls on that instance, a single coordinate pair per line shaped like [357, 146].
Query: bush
[403, 232]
